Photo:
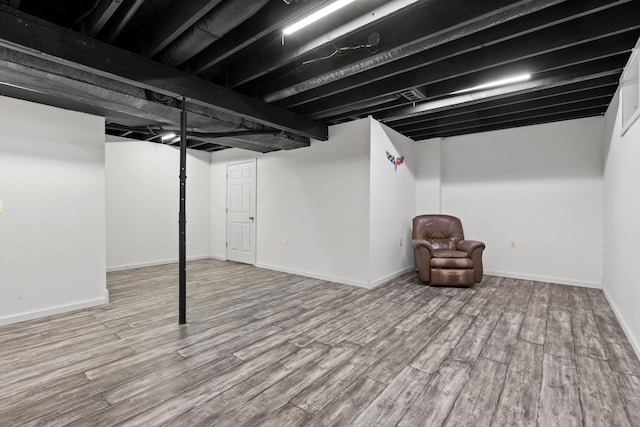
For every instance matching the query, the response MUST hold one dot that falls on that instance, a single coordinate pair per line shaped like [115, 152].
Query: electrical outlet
[1, 207]
[400, 241]
[512, 244]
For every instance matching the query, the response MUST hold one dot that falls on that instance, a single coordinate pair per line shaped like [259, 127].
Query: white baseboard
[625, 326]
[391, 276]
[547, 279]
[360, 284]
[154, 263]
[314, 275]
[54, 310]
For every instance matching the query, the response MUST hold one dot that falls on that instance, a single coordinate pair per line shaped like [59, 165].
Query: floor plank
[533, 329]
[422, 313]
[241, 393]
[559, 397]
[323, 391]
[629, 388]
[473, 341]
[390, 365]
[389, 407]
[518, 403]
[586, 336]
[434, 403]
[282, 392]
[478, 399]
[348, 405]
[430, 358]
[601, 402]
[503, 339]
[559, 337]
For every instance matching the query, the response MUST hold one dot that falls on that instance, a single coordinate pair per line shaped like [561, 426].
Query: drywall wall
[428, 181]
[539, 187]
[142, 203]
[316, 197]
[52, 229]
[392, 203]
[621, 247]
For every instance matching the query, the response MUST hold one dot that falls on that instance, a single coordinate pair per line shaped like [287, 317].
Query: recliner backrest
[442, 231]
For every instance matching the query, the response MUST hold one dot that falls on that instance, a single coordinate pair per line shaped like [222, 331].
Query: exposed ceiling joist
[42, 39]
[488, 125]
[173, 22]
[273, 17]
[560, 77]
[535, 53]
[245, 70]
[557, 104]
[122, 18]
[436, 32]
[99, 18]
[508, 30]
[480, 97]
[596, 88]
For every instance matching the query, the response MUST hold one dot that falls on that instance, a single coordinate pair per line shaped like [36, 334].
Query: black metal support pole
[182, 218]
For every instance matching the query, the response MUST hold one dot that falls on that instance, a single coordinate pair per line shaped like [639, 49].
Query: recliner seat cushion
[450, 254]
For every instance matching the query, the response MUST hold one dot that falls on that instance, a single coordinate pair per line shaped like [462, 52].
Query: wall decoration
[395, 160]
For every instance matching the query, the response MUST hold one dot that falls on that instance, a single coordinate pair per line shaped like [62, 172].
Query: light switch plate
[1, 207]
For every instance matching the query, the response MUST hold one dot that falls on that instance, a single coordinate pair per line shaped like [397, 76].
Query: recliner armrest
[416, 243]
[469, 246]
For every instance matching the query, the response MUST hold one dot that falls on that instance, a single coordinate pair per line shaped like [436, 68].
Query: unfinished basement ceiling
[406, 63]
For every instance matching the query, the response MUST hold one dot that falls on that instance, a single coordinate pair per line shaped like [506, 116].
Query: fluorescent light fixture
[168, 136]
[174, 140]
[327, 10]
[20, 87]
[502, 82]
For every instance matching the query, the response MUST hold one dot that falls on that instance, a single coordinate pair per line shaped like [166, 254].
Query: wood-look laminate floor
[274, 349]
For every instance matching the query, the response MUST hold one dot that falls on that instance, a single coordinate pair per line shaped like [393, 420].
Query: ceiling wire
[372, 43]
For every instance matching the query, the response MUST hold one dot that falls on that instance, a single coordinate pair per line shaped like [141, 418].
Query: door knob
[251, 218]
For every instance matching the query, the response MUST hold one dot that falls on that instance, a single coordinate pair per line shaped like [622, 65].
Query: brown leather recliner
[443, 256]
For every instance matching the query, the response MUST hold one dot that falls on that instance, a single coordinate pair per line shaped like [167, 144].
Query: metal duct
[215, 24]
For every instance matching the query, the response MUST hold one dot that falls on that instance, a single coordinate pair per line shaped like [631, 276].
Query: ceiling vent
[413, 95]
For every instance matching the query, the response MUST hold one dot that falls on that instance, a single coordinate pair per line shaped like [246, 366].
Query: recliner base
[451, 277]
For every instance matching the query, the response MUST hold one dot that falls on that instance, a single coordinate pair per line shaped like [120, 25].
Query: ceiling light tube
[327, 10]
[168, 136]
[501, 82]
[16, 86]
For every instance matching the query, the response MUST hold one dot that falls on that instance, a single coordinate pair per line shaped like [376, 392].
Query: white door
[241, 212]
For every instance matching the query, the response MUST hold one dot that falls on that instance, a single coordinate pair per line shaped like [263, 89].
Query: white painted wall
[540, 186]
[428, 179]
[316, 197]
[52, 256]
[142, 203]
[621, 249]
[392, 204]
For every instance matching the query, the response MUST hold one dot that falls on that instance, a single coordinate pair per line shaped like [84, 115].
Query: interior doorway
[241, 212]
